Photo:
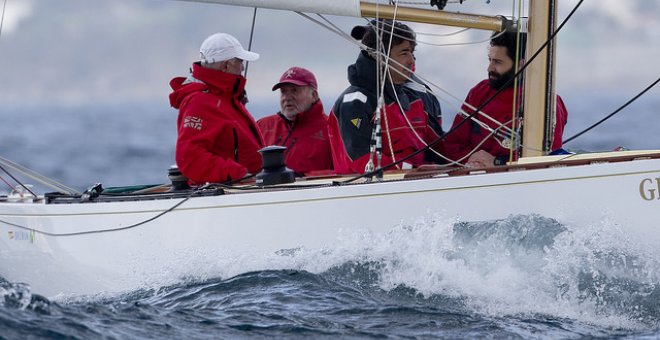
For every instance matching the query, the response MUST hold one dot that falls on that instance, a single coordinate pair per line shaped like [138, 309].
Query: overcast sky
[121, 51]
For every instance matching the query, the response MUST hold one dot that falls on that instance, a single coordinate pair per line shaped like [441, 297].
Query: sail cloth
[349, 8]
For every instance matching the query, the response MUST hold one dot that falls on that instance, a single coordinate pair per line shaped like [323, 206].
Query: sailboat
[113, 240]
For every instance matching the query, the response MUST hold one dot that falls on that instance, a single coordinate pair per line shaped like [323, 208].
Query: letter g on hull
[649, 190]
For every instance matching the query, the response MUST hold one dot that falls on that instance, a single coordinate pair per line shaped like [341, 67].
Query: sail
[356, 8]
[350, 8]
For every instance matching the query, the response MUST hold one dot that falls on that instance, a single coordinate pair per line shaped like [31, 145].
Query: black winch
[179, 181]
[274, 170]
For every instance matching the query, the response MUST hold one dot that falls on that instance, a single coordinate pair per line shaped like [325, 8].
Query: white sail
[350, 8]
[356, 8]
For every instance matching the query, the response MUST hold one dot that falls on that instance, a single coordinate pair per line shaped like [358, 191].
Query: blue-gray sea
[523, 277]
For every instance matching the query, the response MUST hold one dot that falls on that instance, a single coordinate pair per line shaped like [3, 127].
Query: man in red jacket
[218, 140]
[483, 145]
[301, 125]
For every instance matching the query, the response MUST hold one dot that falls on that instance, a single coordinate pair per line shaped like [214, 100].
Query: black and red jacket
[218, 140]
[306, 138]
[351, 121]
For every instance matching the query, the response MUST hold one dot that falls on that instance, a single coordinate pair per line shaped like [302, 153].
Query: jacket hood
[181, 90]
[363, 74]
[206, 80]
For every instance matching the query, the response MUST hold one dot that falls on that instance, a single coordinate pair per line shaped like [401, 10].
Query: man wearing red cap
[218, 140]
[301, 125]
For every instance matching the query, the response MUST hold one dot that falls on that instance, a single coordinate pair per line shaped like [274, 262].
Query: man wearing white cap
[218, 140]
[301, 124]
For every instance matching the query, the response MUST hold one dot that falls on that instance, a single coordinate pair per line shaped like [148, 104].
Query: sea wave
[524, 276]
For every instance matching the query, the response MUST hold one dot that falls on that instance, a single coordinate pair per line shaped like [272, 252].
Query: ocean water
[524, 277]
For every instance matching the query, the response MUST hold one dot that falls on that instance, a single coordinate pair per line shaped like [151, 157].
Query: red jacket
[217, 137]
[465, 138]
[351, 121]
[306, 138]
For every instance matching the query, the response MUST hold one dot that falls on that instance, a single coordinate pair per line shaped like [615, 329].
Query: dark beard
[500, 79]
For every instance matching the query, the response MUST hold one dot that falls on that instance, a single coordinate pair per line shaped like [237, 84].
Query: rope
[476, 110]
[388, 74]
[101, 231]
[552, 36]
[498, 131]
[613, 113]
[106, 230]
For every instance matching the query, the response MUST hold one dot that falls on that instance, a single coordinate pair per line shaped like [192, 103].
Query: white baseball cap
[221, 47]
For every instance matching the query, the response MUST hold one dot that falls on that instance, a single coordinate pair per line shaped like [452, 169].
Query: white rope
[506, 134]
[389, 75]
[501, 130]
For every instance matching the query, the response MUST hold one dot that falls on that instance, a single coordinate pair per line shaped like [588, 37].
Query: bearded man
[476, 143]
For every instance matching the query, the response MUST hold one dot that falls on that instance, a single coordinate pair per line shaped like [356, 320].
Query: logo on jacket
[319, 135]
[192, 122]
[357, 122]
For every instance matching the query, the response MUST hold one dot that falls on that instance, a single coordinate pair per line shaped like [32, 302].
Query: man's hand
[480, 159]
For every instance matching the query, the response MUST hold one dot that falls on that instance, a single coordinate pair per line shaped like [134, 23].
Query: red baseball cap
[297, 76]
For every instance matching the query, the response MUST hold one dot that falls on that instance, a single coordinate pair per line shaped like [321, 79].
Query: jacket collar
[315, 110]
[220, 82]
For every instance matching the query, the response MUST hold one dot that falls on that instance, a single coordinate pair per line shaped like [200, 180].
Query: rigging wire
[2, 19]
[17, 181]
[37, 177]
[254, 19]
[613, 113]
[497, 131]
[529, 62]
[421, 42]
[503, 132]
[350, 180]
[27, 172]
[517, 103]
[504, 136]
[387, 75]
[443, 34]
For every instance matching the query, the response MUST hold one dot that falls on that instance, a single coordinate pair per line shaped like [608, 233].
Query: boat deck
[165, 191]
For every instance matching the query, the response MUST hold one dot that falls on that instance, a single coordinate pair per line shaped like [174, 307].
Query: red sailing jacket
[465, 138]
[351, 121]
[217, 137]
[306, 138]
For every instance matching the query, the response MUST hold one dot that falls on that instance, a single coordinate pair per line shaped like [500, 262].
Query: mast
[540, 103]
[356, 8]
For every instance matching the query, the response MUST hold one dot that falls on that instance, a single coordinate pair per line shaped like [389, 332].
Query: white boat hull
[194, 238]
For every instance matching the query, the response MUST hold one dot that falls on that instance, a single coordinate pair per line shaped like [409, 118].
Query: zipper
[235, 145]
